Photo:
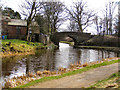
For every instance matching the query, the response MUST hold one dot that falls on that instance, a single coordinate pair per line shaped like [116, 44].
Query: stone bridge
[77, 37]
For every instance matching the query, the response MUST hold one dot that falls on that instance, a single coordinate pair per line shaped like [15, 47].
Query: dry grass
[111, 82]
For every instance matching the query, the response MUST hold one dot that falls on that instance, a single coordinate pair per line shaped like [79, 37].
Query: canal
[50, 59]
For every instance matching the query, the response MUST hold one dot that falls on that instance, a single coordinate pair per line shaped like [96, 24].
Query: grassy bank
[13, 47]
[115, 49]
[106, 40]
[70, 43]
[69, 73]
[111, 82]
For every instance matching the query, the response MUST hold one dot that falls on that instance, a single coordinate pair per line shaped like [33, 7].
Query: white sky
[92, 4]
[96, 5]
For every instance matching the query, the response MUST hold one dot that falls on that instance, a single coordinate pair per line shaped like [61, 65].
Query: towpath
[84, 79]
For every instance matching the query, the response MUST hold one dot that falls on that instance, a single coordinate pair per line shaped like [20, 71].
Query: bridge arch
[76, 36]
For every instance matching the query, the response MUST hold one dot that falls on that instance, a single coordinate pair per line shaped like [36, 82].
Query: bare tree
[47, 14]
[53, 12]
[29, 9]
[97, 23]
[115, 24]
[71, 26]
[119, 24]
[80, 14]
[109, 16]
[106, 18]
[41, 20]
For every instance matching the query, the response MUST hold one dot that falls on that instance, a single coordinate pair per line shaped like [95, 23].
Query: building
[16, 28]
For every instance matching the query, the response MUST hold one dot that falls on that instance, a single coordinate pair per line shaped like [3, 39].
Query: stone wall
[45, 39]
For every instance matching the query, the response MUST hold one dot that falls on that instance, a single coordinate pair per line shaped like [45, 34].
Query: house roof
[17, 22]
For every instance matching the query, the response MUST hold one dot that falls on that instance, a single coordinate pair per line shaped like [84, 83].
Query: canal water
[50, 60]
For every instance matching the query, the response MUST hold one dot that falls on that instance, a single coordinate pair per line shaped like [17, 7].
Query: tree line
[51, 15]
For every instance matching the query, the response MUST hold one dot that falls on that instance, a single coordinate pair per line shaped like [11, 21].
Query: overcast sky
[96, 5]
[93, 4]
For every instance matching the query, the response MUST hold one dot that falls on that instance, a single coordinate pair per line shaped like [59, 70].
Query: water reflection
[93, 55]
[43, 60]
[50, 60]
[66, 55]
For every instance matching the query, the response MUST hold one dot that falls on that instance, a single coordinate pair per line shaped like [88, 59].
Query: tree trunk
[118, 33]
[27, 32]
[80, 28]
[30, 38]
[51, 29]
[107, 26]
[54, 28]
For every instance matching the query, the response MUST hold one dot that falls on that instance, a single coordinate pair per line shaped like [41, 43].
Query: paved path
[84, 79]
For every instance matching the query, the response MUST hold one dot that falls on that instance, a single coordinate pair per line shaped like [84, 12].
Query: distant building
[16, 28]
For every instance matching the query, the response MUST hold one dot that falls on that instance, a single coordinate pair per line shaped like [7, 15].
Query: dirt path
[84, 79]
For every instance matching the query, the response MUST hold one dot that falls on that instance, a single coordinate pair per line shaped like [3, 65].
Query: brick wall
[13, 34]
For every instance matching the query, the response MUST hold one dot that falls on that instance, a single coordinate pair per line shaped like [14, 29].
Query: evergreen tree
[9, 12]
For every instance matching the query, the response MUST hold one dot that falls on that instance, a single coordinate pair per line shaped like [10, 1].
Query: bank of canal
[50, 59]
[15, 47]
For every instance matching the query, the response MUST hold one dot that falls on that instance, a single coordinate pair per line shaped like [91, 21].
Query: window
[18, 30]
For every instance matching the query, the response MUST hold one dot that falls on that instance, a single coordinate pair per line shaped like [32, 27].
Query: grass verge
[68, 73]
[15, 46]
[113, 79]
